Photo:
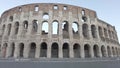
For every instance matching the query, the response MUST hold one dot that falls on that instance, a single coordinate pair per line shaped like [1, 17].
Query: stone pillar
[71, 51]
[60, 52]
[91, 52]
[100, 53]
[16, 52]
[26, 50]
[37, 52]
[82, 52]
[106, 52]
[8, 53]
[49, 50]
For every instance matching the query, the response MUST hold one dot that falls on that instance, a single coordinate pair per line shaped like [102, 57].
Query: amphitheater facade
[50, 30]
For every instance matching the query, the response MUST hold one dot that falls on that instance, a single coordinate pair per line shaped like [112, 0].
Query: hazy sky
[107, 10]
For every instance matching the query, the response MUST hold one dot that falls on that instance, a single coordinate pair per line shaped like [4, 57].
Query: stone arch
[96, 50]
[16, 26]
[85, 31]
[21, 51]
[43, 49]
[4, 49]
[3, 29]
[76, 49]
[45, 27]
[32, 50]
[65, 50]
[65, 29]
[55, 27]
[100, 31]
[93, 31]
[25, 26]
[109, 51]
[9, 29]
[87, 50]
[12, 49]
[103, 51]
[34, 26]
[75, 29]
[54, 50]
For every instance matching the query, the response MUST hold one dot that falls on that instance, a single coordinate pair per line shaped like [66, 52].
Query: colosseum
[52, 30]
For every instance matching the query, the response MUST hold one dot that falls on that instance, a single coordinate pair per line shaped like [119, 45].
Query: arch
[21, 51]
[3, 29]
[93, 31]
[96, 50]
[32, 50]
[100, 31]
[103, 50]
[85, 30]
[34, 26]
[9, 29]
[45, 28]
[65, 50]
[4, 49]
[25, 24]
[65, 29]
[45, 16]
[54, 51]
[43, 50]
[12, 46]
[87, 50]
[55, 27]
[76, 48]
[75, 28]
[16, 28]
[109, 51]
[113, 51]
[11, 18]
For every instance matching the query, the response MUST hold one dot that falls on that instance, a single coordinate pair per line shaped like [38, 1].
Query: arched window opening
[100, 31]
[12, 49]
[9, 29]
[55, 28]
[109, 51]
[25, 24]
[16, 28]
[55, 7]
[87, 51]
[4, 49]
[36, 8]
[105, 32]
[65, 50]
[84, 19]
[103, 50]
[21, 51]
[43, 52]
[65, 29]
[75, 28]
[32, 50]
[3, 29]
[93, 31]
[45, 28]
[20, 9]
[45, 16]
[54, 51]
[85, 30]
[76, 49]
[65, 8]
[11, 18]
[35, 26]
[83, 12]
[96, 51]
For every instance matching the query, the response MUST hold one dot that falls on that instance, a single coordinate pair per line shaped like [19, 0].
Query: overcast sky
[107, 10]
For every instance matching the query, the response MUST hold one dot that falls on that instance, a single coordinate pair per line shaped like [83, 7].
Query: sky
[107, 10]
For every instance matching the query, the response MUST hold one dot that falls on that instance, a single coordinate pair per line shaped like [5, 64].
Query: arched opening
[43, 50]
[93, 31]
[105, 32]
[65, 50]
[76, 48]
[109, 51]
[55, 28]
[45, 16]
[9, 29]
[87, 50]
[36, 8]
[113, 51]
[85, 31]
[75, 29]
[21, 51]
[54, 51]
[45, 28]
[65, 29]
[100, 31]
[16, 28]
[4, 49]
[32, 50]
[25, 26]
[103, 50]
[3, 29]
[12, 49]
[34, 26]
[96, 50]
[109, 32]
[11, 18]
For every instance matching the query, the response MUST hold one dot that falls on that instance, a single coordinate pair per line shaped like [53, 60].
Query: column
[49, 50]
[82, 52]
[71, 51]
[26, 50]
[16, 51]
[37, 52]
